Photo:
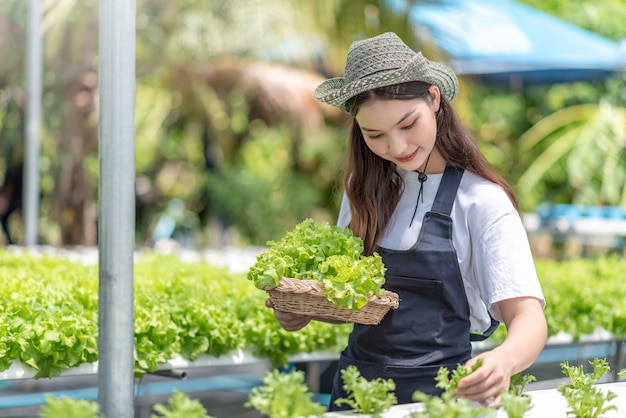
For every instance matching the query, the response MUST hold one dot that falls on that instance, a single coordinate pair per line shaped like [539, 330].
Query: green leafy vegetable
[49, 315]
[514, 402]
[514, 405]
[328, 254]
[584, 399]
[269, 340]
[449, 382]
[519, 383]
[180, 406]
[284, 395]
[448, 405]
[349, 282]
[367, 396]
[69, 407]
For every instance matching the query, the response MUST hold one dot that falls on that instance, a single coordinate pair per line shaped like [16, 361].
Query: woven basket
[306, 297]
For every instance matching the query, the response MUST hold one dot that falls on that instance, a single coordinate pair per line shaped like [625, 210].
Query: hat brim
[335, 92]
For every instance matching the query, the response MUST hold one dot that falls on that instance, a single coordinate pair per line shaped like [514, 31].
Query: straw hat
[382, 61]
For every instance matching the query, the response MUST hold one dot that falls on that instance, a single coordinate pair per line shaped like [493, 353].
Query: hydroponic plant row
[187, 310]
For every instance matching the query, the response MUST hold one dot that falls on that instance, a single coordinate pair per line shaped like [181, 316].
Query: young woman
[419, 192]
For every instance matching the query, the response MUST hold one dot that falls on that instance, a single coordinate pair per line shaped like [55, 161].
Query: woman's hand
[288, 320]
[488, 381]
[527, 333]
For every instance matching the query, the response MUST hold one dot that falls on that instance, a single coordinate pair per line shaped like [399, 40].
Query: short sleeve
[503, 263]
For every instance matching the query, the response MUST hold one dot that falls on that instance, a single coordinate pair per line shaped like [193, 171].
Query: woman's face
[401, 131]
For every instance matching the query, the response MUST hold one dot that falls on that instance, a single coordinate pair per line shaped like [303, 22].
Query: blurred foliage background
[233, 149]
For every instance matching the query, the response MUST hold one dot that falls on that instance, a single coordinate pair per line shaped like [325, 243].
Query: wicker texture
[306, 297]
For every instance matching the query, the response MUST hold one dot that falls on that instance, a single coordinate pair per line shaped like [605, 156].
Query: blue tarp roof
[500, 40]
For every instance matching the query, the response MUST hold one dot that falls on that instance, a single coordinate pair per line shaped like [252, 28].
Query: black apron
[431, 327]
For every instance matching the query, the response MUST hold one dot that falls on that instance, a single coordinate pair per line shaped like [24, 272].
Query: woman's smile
[407, 158]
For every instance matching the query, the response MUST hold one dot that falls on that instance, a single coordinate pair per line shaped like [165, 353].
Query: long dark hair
[373, 185]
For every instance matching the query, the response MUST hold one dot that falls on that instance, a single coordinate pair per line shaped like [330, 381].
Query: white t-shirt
[488, 234]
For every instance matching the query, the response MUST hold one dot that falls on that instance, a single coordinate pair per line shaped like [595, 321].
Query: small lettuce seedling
[584, 399]
[180, 405]
[514, 402]
[69, 407]
[448, 405]
[371, 397]
[284, 395]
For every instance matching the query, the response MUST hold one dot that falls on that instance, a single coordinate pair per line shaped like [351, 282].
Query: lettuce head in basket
[325, 253]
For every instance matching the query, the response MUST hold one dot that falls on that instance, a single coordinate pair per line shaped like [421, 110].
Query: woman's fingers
[289, 321]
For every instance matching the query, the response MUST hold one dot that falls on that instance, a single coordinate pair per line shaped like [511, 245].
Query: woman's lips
[407, 158]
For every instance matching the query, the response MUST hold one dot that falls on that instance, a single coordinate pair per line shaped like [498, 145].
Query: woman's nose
[396, 145]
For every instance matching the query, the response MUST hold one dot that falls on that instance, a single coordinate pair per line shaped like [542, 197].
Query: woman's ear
[436, 96]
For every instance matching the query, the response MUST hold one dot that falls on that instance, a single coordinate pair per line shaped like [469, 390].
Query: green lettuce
[325, 253]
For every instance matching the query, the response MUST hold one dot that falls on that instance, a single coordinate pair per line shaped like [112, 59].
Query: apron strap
[447, 190]
[443, 205]
[486, 334]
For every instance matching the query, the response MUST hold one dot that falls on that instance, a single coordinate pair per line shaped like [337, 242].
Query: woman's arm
[527, 333]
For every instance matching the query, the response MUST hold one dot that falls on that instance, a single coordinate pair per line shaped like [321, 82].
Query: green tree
[226, 120]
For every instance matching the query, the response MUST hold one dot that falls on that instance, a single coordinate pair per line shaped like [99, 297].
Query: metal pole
[116, 207]
[34, 77]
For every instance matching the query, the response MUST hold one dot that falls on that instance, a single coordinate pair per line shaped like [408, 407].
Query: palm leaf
[579, 152]
[553, 126]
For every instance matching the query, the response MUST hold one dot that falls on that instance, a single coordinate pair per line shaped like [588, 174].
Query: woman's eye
[406, 128]
[375, 136]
